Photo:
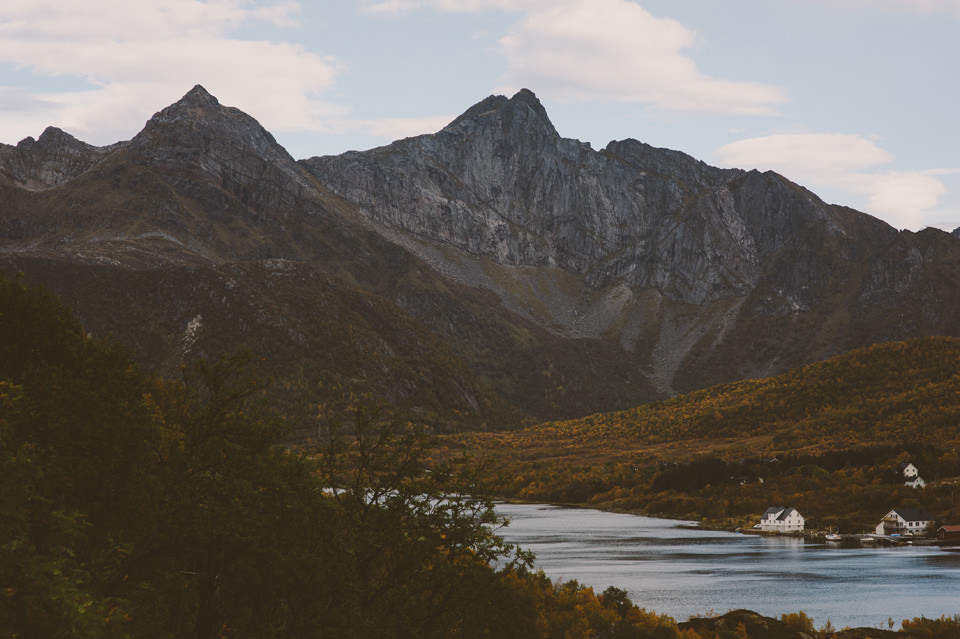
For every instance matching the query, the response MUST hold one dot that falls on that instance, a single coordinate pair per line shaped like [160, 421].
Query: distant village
[899, 526]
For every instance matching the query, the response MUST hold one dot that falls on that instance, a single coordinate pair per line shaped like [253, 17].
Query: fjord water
[674, 568]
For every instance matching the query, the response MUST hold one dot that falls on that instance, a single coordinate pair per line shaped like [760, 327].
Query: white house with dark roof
[906, 521]
[781, 519]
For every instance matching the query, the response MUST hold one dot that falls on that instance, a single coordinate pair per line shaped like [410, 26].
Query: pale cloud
[281, 14]
[393, 128]
[794, 153]
[904, 197]
[137, 56]
[449, 6]
[921, 7]
[616, 51]
[605, 51]
[846, 164]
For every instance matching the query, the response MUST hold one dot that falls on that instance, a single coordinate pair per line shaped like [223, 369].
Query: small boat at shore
[833, 537]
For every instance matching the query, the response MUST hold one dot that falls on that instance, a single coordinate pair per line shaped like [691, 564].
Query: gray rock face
[690, 267]
[54, 159]
[198, 138]
[569, 280]
[200, 183]
[499, 182]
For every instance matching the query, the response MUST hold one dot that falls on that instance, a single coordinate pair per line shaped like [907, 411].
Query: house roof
[914, 514]
[781, 512]
[950, 528]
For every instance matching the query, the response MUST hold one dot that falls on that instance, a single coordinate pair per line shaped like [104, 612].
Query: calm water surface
[674, 568]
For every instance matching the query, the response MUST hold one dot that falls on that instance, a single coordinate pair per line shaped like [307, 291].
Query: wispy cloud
[392, 128]
[615, 50]
[921, 7]
[605, 51]
[793, 153]
[848, 163]
[134, 56]
[451, 6]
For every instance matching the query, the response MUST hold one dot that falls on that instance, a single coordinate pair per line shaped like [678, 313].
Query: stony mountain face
[499, 182]
[53, 159]
[491, 272]
[700, 274]
[201, 183]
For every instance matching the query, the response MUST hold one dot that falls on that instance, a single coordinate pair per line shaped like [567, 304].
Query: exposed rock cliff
[677, 260]
[499, 182]
[54, 159]
[199, 141]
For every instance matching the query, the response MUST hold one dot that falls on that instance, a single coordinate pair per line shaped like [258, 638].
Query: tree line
[132, 506]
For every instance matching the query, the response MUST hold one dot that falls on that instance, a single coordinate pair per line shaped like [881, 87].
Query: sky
[856, 100]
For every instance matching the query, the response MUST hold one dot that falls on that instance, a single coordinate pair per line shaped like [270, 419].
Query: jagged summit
[521, 105]
[55, 158]
[527, 98]
[199, 125]
[53, 135]
[197, 104]
[199, 95]
[50, 138]
[488, 104]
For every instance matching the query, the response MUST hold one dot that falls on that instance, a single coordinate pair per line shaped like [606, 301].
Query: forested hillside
[837, 430]
[135, 507]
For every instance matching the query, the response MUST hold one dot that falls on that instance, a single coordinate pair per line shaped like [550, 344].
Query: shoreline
[815, 536]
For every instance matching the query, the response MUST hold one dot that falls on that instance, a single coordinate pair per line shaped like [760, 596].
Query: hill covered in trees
[837, 430]
[136, 507]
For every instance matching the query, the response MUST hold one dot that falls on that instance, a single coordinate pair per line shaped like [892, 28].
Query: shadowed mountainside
[491, 273]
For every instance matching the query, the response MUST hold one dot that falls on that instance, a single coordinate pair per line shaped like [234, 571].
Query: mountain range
[484, 276]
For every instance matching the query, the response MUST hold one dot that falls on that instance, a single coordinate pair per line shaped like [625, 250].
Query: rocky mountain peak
[523, 107]
[197, 102]
[52, 136]
[53, 159]
[199, 124]
[199, 97]
[526, 98]
[199, 137]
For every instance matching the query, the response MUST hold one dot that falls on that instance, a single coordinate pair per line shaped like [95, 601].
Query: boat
[833, 537]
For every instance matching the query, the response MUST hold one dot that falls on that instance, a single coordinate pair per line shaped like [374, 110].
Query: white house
[915, 482]
[780, 519]
[911, 476]
[906, 521]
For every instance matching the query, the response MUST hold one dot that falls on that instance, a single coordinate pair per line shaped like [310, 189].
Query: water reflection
[677, 569]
